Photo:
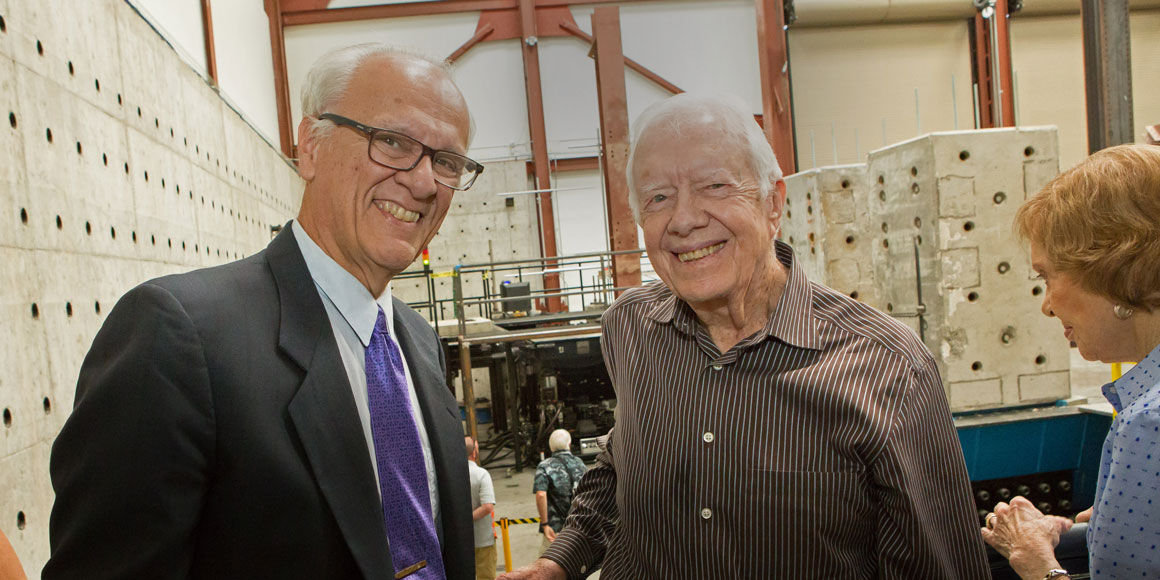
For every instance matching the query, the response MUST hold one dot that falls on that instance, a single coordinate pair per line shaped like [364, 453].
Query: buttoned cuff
[574, 554]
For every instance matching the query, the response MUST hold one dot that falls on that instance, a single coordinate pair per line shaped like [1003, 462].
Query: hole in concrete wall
[1040, 360]
[68, 309]
[71, 71]
[146, 176]
[854, 295]
[97, 307]
[126, 168]
[918, 240]
[153, 239]
[788, 214]
[88, 228]
[881, 179]
[999, 198]
[35, 310]
[48, 134]
[968, 226]
[23, 216]
[1008, 335]
[80, 149]
[849, 239]
[162, 183]
[914, 188]
[810, 209]
[885, 243]
[973, 296]
[171, 133]
[809, 196]
[976, 366]
[1036, 291]
[59, 223]
[138, 112]
[134, 236]
[112, 232]
[97, 84]
[170, 240]
[12, 119]
[885, 228]
[39, 48]
[7, 417]
[914, 172]
[105, 159]
[183, 246]
[20, 519]
[185, 141]
[47, 405]
[3, 25]
[917, 222]
[119, 102]
[889, 307]
[791, 239]
[1028, 151]
[845, 184]
[156, 123]
[882, 194]
[964, 155]
[1004, 267]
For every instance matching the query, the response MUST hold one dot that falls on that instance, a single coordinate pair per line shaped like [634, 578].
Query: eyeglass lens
[400, 151]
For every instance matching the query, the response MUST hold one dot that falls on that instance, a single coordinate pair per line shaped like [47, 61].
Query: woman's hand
[1025, 536]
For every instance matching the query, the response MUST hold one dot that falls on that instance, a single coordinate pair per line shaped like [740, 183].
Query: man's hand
[549, 533]
[1025, 536]
[542, 569]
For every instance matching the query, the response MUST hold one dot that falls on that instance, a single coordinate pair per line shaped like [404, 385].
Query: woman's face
[1088, 321]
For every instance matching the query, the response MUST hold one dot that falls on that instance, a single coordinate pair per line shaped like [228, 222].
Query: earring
[1122, 312]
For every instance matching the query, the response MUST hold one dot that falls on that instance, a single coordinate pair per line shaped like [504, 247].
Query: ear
[307, 150]
[776, 204]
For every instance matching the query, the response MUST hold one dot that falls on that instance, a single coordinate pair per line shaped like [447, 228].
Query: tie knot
[381, 323]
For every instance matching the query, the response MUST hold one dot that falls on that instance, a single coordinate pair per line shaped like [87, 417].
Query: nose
[1046, 306]
[420, 179]
[687, 215]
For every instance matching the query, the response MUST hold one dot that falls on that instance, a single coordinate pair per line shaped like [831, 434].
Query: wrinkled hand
[542, 569]
[1026, 537]
[549, 533]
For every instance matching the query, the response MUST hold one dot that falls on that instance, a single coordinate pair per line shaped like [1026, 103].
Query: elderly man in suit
[283, 416]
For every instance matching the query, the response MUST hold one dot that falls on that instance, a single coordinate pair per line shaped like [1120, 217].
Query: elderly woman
[1095, 242]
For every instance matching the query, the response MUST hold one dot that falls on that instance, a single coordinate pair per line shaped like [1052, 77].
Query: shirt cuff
[573, 553]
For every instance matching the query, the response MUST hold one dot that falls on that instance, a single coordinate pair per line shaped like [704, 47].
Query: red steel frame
[985, 59]
[210, 54]
[773, 60]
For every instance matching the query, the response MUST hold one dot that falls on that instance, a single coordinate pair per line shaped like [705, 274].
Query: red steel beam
[611, 95]
[530, 47]
[991, 41]
[210, 55]
[480, 34]
[773, 59]
[568, 164]
[281, 86]
[308, 14]
[632, 64]
[1006, 76]
[981, 57]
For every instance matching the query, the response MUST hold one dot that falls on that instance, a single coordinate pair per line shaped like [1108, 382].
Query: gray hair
[560, 440]
[695, 110]
[330, 76]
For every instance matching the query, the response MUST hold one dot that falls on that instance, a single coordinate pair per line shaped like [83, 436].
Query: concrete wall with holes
[117, 164]
[933, 215]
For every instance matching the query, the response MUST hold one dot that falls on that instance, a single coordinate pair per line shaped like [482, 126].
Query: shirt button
[708, 437]
[583, 569]
[706, 513]
[716, 367]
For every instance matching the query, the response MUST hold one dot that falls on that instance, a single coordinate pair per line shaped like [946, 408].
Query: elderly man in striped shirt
[768, 426]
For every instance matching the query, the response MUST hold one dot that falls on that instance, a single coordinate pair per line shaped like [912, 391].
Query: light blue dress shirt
[1123, 536]
[353, 312]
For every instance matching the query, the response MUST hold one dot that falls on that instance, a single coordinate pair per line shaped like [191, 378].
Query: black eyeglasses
[398, 151]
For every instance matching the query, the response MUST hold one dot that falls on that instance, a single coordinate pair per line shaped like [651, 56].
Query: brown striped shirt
[820, 447]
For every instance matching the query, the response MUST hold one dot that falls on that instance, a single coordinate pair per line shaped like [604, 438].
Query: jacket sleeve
[130, 467]
[927, 526]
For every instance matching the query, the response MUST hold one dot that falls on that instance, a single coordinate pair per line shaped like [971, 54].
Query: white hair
[560, 440]
[726, 112]
[330, 76]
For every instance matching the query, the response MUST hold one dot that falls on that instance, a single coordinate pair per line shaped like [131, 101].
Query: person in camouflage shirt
[556, 479]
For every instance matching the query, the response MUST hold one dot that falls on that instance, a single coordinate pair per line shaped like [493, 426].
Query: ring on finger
[990, 519]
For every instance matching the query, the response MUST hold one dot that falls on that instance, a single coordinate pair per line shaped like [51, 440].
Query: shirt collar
[352, 300]
[792, 320]
[1138, 380]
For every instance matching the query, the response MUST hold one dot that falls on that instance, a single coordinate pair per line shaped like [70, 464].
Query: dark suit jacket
[215, 436]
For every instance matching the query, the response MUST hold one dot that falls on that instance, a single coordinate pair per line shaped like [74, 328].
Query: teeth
[698, 254]
[398, 212]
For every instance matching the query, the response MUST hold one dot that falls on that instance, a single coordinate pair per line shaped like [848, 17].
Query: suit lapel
[323, 411]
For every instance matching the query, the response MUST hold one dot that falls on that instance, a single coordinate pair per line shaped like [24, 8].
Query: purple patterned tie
[399, 455]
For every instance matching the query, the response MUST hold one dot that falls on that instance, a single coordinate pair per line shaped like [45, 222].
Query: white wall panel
[245, 66]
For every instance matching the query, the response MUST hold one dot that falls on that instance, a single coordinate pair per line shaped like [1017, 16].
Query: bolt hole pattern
[914, 188]
[885, 243]
[976, 366]
[964, 155]
[889, 307]
[1004, 267]
[1000, 198]
[112, 232]
[97, 307]
[59, 223]
[882, 194]
[885, 228]
[97, 84]
[914, 172]
[80, 149]
[917, 222]
[881, 179]
[71, 71]
[105, 159]
[849, 239]
[854, 295]
[845, 184]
